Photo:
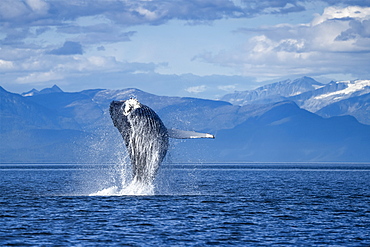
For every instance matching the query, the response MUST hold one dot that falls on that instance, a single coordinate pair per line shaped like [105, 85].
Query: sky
[196, 48]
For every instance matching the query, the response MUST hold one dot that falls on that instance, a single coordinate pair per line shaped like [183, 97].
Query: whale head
[123, 107]
[119, 111]
[130, 105]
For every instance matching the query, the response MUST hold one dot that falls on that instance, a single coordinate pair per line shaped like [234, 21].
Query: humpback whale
[145, 136]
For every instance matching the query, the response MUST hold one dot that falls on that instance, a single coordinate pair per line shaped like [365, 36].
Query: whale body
[145, 136]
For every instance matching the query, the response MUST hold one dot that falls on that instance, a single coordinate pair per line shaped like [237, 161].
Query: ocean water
[188, 205]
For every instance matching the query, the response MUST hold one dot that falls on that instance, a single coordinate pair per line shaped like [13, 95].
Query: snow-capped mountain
[274, 92]
[332, 93]
[310, 95]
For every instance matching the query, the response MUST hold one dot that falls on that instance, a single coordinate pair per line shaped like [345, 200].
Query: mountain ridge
[76, 127]
[53, 89]
[273, 92]
[313, 96]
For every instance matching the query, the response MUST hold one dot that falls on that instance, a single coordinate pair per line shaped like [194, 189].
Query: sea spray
[122, 183]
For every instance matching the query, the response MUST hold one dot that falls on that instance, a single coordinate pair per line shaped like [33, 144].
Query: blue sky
[199, 48]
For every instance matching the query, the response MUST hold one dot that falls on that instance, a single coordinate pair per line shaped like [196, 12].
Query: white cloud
[227, 88]
[334, 12]
[337, 42]
[10, 9]
[40, 77]
[38, 6]
[42, 67]
[196, 89]
[6, 65]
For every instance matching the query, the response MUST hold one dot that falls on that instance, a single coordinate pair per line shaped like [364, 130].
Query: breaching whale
[145, 136]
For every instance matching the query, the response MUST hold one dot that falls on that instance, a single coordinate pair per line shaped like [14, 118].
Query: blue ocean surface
[249, 204]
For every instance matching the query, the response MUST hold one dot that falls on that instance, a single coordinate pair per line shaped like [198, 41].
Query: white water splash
[147, 151]
[133, 189]
[123, 184]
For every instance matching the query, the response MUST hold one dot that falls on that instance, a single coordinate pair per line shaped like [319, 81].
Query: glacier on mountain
[352, 87]
[345, 90]
[309, 95]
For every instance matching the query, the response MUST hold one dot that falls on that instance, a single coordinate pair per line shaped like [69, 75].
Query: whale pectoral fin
[183, 134]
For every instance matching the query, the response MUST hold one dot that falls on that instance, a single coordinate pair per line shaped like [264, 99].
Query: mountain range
[337, 98]
[276, 123]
